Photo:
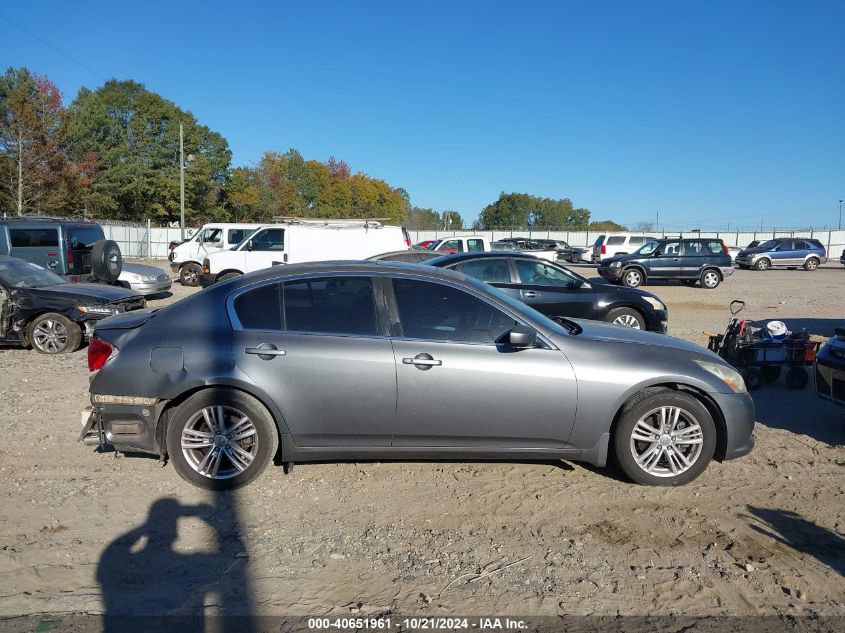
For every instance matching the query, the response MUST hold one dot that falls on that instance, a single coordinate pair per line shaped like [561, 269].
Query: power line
[48, 45]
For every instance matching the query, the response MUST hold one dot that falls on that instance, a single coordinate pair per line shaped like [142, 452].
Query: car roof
[367, 267]
[456, 257]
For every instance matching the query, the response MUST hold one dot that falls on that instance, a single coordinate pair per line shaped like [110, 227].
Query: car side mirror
[249, 245]
[521, 337]
[655, 254]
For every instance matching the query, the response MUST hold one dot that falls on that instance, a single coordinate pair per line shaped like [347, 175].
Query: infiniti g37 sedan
[340, 360]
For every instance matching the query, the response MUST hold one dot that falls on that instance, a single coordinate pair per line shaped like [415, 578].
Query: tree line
[113, 153]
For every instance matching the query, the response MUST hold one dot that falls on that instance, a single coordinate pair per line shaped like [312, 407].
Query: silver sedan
[148, 280]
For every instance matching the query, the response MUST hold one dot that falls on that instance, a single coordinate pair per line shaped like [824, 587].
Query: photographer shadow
[147, 585]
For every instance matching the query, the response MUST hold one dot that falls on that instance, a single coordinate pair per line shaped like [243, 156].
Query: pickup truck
[460, 244]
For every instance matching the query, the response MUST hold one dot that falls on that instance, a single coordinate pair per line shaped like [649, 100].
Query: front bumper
[657, 321]
[738, 412]
[612, 274]
[152, 287]
[174, 266]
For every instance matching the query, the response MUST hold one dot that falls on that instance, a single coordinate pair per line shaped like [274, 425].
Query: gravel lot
[83, 532]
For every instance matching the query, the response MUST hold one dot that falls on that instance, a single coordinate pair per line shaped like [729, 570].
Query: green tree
[134, 135]
[606, 225]
[37, 177]
[522, 209]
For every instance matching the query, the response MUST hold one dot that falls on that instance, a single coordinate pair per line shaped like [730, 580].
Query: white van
[297, 241]
[617, 244]
[186, 258]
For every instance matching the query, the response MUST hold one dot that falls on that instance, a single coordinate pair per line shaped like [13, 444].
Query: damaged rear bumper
[126, 427]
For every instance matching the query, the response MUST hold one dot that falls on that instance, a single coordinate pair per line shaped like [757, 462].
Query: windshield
[20, 274]
[646, 249]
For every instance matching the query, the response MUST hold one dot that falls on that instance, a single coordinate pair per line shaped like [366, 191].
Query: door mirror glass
[249, 245]
[521, 337]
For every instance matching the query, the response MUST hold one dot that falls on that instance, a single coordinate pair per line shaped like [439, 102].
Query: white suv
[617, 244]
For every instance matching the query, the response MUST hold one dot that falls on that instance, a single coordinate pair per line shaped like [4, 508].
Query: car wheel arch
[627, 305]
[228, 271]
[258, 394]
[643, 391]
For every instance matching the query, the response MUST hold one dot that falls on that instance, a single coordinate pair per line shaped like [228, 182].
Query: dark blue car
[785, 252]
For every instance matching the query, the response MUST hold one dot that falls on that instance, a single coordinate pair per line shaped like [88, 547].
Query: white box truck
[297, 241]
[186, 258]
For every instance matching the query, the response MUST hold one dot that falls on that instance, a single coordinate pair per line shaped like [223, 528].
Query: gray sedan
[341, 360]
[148, 280]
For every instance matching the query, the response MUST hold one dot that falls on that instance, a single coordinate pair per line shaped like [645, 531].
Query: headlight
[615, 264]
[655, 303]
[133, 276]
[148, 278]
[98, 310]
[727, 375]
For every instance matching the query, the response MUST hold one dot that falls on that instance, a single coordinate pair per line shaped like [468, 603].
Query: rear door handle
[529, 294]
[422, 361]
[265, 351]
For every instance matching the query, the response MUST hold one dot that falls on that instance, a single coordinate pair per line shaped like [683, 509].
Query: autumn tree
[35, 169]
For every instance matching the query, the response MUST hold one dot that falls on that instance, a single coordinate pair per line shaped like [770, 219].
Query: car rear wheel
[811, 264]
[189, 275]
[664, 438]
[632, 278]
[763, 264]
[627, 317]
[53, 333]
[710, 279]
[221, 439]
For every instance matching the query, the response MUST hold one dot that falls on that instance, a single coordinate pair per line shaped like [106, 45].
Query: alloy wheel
[50, 336]
[628, 320]
[711, 279]
[633, 278]
[219, 442]
[666, 441]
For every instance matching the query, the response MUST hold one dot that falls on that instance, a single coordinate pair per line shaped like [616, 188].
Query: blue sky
[709, 112]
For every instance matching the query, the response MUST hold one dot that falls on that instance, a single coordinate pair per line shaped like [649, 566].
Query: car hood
[598, 331]
[752, 251]
[622, 258]
[81, 293]
[141, 269]
[621, 291]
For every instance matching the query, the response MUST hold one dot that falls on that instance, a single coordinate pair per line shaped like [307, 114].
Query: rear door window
[695, 248]
[47, 237]
[432, 311]
[260, 309]
[599, 240]
[331, 305]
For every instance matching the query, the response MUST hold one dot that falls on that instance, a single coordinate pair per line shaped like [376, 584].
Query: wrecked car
[39, 308]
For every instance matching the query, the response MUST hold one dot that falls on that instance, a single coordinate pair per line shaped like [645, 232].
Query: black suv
[704, 260]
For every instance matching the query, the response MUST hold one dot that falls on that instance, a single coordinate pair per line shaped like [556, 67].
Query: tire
[710, 279]
[626, 317]
[53, 333]
[189, 275]
[797, 378]
[643, 412]
[811, 264]
[228, 276]
[574, 259]
[753, 379]
[632, 277]
[106, 261]
[195, 464]
[762, 264]
[770, 373]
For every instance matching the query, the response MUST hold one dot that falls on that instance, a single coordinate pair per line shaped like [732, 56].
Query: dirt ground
[86, 532]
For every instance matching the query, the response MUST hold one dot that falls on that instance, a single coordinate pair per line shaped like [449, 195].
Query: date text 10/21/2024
[418, 623]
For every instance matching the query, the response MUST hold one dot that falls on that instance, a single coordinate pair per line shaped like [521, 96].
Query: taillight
[98, 353]
[70, 257]
[603, 249]
[725, 246]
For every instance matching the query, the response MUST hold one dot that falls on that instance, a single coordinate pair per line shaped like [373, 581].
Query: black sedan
[558, 292]
[39, 308]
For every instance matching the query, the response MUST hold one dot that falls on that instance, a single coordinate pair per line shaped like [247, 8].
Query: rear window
[599, 240]
[474, 246]
[331, 305]
[29, 238]
[616, 240]
[83, 236]
[259, 309]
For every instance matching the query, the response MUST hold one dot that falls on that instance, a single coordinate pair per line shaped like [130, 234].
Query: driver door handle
[529, 294]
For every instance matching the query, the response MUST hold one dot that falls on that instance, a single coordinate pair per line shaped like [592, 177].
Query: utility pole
[181, 182]
[657, 223]
[840, 215]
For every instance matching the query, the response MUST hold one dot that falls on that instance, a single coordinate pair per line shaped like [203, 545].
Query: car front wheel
[762, 264]
[632, 278]
[221, 439]
[627, 317]
[664, 438]
[190, 275]
[53, 333]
